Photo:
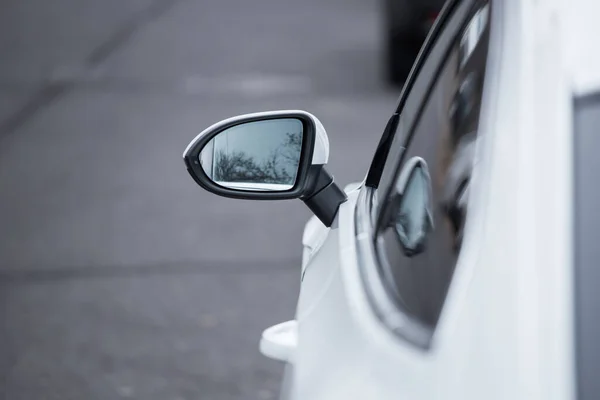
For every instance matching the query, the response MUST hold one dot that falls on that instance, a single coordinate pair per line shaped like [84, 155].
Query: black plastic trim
[326, 197]
[381, 154]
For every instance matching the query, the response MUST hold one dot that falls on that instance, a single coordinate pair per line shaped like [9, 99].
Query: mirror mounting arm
[323, 196]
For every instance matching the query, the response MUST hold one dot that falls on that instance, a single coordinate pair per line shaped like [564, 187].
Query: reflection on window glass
[412, 217]
[261, 152]
[473, 33]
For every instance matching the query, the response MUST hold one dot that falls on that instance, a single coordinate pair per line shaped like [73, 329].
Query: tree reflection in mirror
[258, 155]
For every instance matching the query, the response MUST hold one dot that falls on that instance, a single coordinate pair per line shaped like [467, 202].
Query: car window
[421, 221]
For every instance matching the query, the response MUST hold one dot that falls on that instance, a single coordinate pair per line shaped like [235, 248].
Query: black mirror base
[326, 196]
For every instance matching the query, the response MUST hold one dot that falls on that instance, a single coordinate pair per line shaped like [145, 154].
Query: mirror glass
[259, 155]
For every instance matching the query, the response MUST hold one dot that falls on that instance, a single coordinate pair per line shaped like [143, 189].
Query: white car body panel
[580, 21]
[315, 232]
[506, 330]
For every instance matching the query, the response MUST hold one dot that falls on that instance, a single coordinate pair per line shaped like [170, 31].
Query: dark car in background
[406, 24]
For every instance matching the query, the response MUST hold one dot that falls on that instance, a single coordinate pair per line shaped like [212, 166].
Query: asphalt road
[119, 277]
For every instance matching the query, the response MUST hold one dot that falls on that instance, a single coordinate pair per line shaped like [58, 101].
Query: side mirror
[267, 156]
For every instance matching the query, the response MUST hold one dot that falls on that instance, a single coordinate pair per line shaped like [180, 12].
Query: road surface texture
[119, 277]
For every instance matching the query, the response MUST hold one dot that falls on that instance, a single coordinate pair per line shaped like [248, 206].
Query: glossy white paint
[506, 327]
[313, 237]
[580, 37]
[280, 341]
[321, 147]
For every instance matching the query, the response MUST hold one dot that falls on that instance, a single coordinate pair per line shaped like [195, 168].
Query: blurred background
[120, 278]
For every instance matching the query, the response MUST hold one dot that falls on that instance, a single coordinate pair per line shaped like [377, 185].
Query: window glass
[431, 209]
[472, 34]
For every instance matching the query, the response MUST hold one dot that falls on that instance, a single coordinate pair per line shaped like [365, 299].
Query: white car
[463, 265]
